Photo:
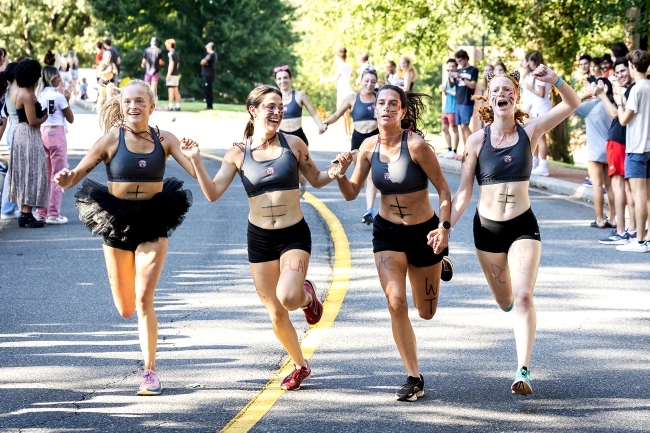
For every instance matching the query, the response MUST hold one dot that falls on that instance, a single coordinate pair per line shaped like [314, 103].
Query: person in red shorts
[616, 159]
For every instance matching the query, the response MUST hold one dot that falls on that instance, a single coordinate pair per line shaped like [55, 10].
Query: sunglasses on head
[281, 68]
[370, 69]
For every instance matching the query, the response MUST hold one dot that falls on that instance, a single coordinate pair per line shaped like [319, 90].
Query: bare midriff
[365, 126]
[275, 210]
[134, 190]
[406, 209]
[290, 125]
[503, 201]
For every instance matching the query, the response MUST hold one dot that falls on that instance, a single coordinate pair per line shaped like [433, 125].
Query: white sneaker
[541, 170]
[58, 220]
[449, 155]
[38, 217]
[633, 247]
[10, 216]
[535, 162]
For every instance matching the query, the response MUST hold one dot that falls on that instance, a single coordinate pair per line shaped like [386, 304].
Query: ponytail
[110, 113]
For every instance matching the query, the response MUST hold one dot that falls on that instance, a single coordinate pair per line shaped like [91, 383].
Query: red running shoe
[314, 311]
[298, 375]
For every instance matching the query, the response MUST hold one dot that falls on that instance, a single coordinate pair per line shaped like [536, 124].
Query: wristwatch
[340, 175]
[445, 225]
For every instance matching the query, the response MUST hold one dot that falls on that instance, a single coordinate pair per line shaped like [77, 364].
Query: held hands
[322, 128]
[338, 167]
[189, 147]
[438, 239]
[64, 178]
[545, 74]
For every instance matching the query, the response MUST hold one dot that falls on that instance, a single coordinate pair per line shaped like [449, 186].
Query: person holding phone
[54, 140]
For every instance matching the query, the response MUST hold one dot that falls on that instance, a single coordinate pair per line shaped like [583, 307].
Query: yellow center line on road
[259, 405]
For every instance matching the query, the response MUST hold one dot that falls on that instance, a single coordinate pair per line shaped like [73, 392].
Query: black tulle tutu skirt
[125, 224]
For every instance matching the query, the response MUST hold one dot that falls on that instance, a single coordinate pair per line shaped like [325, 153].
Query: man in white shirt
[635, 114]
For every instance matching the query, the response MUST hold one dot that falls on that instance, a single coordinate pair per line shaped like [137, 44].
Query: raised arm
[611, 109]
[214, 188]
[625, 114]
[570, 101]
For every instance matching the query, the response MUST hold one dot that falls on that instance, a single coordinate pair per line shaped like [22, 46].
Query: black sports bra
[400, 177]
[22, 116]
[510, 164]
[278, 174]
[126, 166]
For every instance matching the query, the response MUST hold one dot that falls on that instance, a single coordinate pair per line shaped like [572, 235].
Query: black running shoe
[411, 390]
[447, 269]
[367, 218]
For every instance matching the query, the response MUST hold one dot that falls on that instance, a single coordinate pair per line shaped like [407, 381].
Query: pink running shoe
[298, 375]
[314, 311]
[151, 384]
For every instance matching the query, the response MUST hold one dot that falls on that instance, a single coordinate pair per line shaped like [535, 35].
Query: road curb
[88, 106]
[556, 186]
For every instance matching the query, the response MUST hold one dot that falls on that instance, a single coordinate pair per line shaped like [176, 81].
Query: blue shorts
[637, 165]
[463, 114]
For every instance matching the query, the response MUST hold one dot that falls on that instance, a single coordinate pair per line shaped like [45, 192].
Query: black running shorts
[498, 236]
[411, 240]
[266, 245]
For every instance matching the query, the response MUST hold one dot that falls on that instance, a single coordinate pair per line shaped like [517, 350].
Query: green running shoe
[522, 385]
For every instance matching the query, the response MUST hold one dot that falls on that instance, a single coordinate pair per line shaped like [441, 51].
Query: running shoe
[449, 155]
[314, 311]
[293, 381]
[615, 239]
[151, 384]
[522, 384]
[367, 218]
[634, 247]
[540, 170]
[58, 220]
[447, 269]
[411, 390]
[10, 216]
[587, 181]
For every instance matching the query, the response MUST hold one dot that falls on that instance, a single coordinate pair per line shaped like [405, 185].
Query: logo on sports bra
[270, 171]
[142, 163]
[387, 176]
[369, 107]
[507, 159]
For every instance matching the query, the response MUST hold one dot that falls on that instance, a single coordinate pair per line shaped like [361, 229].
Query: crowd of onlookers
[34, 111]
[615, 92]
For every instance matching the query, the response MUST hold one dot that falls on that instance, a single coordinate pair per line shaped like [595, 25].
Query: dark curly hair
[414, 103]
[27, 73]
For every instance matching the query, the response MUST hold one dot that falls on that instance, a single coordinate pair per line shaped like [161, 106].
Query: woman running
[136, 212]
[279, 240]
[362, 106]
[293, 101]
[506, 234]
[401, 165]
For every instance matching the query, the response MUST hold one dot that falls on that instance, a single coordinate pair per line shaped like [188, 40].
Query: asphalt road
[68, 361]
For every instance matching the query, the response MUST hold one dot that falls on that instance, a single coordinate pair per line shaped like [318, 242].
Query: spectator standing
[500, 68]
[467, 78]
[99, 52]
[618, 51]
[106, 71]
[9, 111]
[28, 170]
[616, 159]
[83, 89]
[49, 59]
[342, 78]
[449, 109]
[73, 61]
[172, 80]
[3, 59]
[363, 65]
[606, 65]
[391, 74]
[597, 124]
[54, 141]
[108, 46]
[634, 113]
[207, 72]
[152, 60]
[584, 63]
[406, 74]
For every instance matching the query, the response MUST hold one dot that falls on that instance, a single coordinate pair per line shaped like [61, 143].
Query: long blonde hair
[110, 114]
[48, 73]
[401, 73]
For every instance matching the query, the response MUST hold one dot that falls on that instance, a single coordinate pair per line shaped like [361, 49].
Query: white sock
[170, 106]
[178, 105]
